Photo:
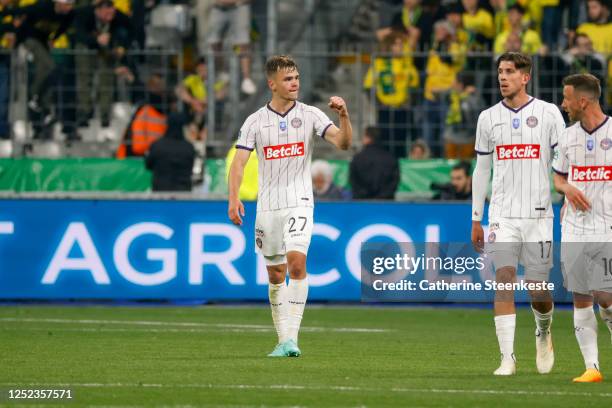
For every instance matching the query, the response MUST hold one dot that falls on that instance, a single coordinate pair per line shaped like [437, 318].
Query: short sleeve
[320, 121]
[247, 134]
[560, 162]
[557, 126]
[483, 135]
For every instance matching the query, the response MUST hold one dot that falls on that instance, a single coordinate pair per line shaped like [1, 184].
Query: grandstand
[127, 294]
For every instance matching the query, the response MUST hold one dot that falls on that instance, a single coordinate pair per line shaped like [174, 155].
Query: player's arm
[341, 137]
[576, 198]
[235, 207]
[480, 185]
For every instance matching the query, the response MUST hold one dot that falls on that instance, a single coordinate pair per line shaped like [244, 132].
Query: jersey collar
[282, 115]
[596, 128]
[519, 109]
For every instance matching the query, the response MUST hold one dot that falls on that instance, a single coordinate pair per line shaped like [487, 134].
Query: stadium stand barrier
[405, 110]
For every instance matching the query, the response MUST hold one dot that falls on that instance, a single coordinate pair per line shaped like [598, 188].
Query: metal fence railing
[91, 96]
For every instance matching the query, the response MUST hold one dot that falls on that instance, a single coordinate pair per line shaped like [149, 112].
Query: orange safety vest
[147, 125]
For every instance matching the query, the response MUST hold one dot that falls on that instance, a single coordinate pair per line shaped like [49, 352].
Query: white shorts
[586, 262]
[280, 231]
[524, 241]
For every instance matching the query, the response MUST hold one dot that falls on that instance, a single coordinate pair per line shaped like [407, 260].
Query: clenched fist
[338, 104]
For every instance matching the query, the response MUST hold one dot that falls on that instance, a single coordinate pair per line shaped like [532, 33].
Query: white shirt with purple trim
[284, 148]
[521, 142]
[586, 159]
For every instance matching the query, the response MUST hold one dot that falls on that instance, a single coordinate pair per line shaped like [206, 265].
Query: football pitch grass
[215, 356]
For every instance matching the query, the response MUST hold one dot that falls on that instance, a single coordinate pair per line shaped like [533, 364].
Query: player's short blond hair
[585, 83]
[279, 63]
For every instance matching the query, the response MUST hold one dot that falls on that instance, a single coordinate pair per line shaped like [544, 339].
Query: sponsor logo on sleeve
[518, 152]
[591, 173]
[283, 151]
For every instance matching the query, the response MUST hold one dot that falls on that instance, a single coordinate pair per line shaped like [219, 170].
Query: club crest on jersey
[492, 237]
[283, 125]
[259, 243]
[296, 122]
[532, 121]
[590, 144]
[606, 143]
[516, 123]
[284, 151]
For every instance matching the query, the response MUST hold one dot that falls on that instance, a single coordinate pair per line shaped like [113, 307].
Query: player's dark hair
[373, 133]
[521, 61]
[464, 165]
[279, 63]
[585, 83]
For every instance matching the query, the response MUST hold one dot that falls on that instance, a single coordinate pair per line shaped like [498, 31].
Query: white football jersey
[586, 159]
[284, 149]
[522, 142]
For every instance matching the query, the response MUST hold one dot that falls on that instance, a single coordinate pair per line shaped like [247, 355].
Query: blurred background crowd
[113, 78]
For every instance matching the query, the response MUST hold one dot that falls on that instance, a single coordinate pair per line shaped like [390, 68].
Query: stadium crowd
[431, 65]
[438, 67]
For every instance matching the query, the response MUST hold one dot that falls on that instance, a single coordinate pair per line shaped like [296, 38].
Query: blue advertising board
[154, 249]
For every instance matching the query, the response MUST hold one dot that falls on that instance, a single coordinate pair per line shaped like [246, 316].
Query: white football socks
[277, 293]
[543, 320]
[606, 316]
[297, 293]
[504, 327]
[585, 325]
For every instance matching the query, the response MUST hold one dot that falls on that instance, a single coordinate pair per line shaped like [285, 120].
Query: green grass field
[352, 357]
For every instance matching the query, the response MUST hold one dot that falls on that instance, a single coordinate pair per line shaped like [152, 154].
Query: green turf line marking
[186, 324]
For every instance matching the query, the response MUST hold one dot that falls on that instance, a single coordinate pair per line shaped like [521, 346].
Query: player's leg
[268, 241]
[297, 294]
[503, 246]
[575, 266]
[536, 256]
[277, 294]
[605, 310]
[602, 281]
[298, 232]
[542, 307]
[585, 327]
[505, 321]
[600, 284]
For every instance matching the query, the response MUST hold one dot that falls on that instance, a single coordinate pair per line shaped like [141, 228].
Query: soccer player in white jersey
[583, 173]
[282, 133]
[517, 138]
